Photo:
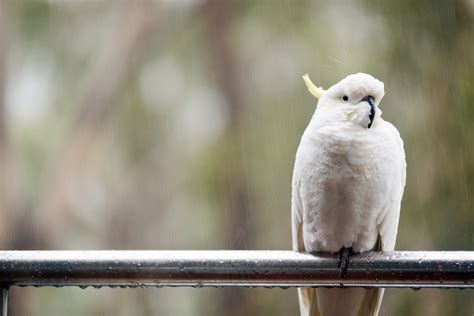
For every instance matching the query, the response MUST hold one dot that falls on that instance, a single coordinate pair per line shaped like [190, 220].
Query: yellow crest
[312, 88]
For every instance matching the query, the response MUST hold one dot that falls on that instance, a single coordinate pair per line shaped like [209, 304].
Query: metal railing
[414, 269]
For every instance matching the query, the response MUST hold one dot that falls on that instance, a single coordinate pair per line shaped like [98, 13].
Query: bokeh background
[174, 124]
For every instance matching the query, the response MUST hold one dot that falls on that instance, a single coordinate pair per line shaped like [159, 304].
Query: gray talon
[343, 264]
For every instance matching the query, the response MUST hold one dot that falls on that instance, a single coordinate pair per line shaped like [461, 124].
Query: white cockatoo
[347, 187]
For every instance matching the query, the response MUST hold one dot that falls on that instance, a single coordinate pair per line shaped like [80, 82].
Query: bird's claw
[343, 264]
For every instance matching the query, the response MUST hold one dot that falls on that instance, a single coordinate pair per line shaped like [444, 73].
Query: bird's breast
[338, 178]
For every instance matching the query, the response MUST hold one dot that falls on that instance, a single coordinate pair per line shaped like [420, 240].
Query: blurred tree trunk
[93, 105]
[5, 213]
[9, 238]
[218, 17]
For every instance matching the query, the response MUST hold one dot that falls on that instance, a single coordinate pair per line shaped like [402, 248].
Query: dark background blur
[174, 125]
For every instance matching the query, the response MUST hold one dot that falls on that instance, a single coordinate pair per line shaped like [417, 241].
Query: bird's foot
[343, 264]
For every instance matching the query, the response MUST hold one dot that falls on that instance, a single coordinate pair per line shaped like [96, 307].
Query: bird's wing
[296, 220]
[388, 225]
[388, 222]
[306, 296]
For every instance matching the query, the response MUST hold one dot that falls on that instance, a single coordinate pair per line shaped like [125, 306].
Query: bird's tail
[372, 302]
[309, 307]
[307, 300]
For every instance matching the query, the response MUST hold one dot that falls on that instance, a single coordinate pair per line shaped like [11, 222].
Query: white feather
[347, 187]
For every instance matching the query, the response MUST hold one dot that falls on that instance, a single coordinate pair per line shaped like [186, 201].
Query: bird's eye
[345, 98]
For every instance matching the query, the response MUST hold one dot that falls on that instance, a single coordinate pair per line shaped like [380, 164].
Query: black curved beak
[370, 99]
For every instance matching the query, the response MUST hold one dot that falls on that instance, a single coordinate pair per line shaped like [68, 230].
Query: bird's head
[353, 99]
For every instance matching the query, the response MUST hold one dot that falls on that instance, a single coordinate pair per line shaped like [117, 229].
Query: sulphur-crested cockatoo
[347, 187]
